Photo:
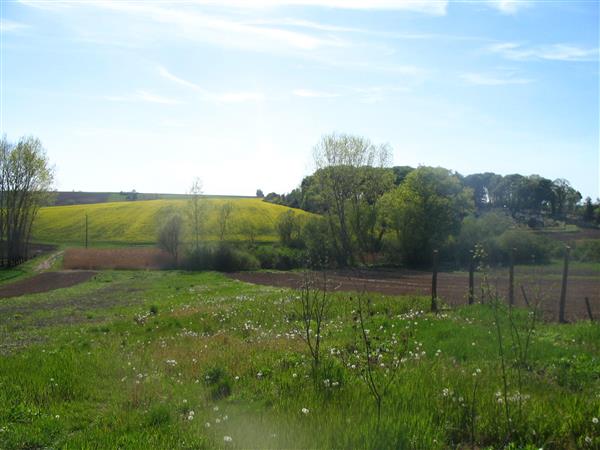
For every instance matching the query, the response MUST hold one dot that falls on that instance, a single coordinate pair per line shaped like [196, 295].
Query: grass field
[136, 222]
[180, 360]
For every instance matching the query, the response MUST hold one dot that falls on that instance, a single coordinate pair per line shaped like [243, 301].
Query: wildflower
[216, 408]
[595, 420]
[259, 374]
[227, 438]
[207, 424]
[588, 440]
[305, 411]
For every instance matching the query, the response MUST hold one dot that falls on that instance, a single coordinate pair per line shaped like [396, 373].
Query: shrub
[318, 243]
[219, 382]
[280, 258]
[223, 257]
[587, 251]
[529, 247]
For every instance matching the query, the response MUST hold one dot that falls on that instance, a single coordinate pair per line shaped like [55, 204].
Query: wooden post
[511, 278]
[86, 230]
[563, 289]
[589, 309]
[434, 306]
[471, 278]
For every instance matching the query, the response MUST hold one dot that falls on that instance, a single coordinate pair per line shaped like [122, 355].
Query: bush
[587, 251]
[280, 258]
[529, 247]
[318, 243]
[223, 257]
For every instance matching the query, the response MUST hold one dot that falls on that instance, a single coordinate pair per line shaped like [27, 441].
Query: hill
[64, 198]
[136, 222]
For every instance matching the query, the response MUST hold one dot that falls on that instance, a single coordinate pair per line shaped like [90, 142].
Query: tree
[25, 182]
[259, 193]
[348, 188]
[425, 211]
[588, 211]
[169, 235]
[196, 211]
[288, 228]
[223, 219]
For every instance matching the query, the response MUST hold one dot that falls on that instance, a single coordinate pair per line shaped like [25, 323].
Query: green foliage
[587, 250]
[280, 258]
[288, 228]
[424, 212]
[223, 257]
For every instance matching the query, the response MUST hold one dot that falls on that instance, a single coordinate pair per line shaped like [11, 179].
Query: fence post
[434, 305]
[563, 289]
[511, 278]
[589, 309]
[471, 278]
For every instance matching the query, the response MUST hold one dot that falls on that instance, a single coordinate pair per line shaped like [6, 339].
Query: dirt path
[47, 263]
[452, 287]
[46, 281]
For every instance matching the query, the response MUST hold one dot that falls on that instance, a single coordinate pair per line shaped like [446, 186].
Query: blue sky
[147, 95]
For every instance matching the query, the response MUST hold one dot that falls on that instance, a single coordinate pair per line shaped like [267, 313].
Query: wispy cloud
[10, 26]
[554, 52]
[205, 94]
[309, 93]
[487, 79]
[434, 7]
[143, 96]
[509, 6]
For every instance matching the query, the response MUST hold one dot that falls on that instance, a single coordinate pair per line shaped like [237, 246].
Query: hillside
[64, 198]
[137, 222]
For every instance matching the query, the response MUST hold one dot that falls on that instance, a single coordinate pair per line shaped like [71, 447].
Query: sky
[148, 95]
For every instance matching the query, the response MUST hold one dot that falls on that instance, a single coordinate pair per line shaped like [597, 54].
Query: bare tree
[196, 211]
[25, 181]
[223, 219]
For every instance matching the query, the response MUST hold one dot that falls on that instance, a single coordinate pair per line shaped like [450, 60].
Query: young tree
[25, 181]
[588, 211]
[288, 228]
[196, 211]
[223, 219]
[259, 193]
[169, 235]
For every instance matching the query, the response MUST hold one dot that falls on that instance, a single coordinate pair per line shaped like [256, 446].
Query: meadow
[117, 223]
[170, 359]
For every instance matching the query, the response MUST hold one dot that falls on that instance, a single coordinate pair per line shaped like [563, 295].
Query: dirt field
[453, 287]
[44, 282]
[116, 258]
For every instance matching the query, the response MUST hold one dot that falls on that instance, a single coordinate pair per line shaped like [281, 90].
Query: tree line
[368, 208]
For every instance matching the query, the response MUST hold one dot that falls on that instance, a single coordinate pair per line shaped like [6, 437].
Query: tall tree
[425, 211]
[347, 187]
[25, 181]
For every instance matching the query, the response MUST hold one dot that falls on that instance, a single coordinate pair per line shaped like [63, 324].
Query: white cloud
[205, 94]
[483, 79]
[509, 6]
[309, 93]
[143, 96]
[435, 7]
[10, 26]
[554, 52]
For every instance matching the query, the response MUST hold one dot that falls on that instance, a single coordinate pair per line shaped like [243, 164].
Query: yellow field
[137, 222]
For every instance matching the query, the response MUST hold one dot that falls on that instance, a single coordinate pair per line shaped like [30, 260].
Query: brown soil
[44, 282]
[116, 258]
[452, 287]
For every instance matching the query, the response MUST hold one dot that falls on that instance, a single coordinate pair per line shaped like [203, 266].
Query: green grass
[122, 360]
[136, 222]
